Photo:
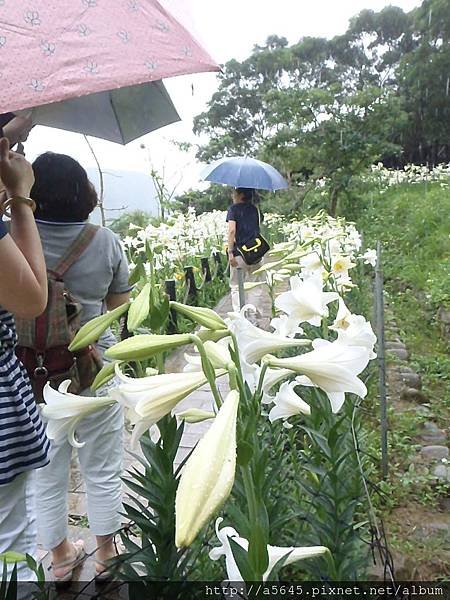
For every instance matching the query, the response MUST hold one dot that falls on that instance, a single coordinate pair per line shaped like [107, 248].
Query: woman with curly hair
[98, 279]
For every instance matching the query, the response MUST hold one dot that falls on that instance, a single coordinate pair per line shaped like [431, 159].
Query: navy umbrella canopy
[245, 172]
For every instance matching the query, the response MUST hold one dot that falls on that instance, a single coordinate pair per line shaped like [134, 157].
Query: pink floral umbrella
[58, 50]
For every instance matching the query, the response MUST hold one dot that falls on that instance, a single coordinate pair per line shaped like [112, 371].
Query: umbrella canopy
[242, 171]
[62, 49]
[118, 116]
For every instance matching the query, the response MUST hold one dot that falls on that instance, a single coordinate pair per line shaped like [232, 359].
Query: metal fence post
[190, 282]
[205, 268]
[240, 278]
[171, 291]
[379, 313]
[218, 258]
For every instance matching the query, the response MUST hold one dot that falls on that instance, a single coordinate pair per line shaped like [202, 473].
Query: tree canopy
[328, 108]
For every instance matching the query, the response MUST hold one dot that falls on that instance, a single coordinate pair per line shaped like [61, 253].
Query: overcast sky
[227, 30]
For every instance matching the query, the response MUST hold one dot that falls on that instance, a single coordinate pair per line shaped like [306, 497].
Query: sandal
[70, 563]
[102, 575]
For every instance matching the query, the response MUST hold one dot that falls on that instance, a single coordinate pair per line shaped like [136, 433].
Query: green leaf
[244, 453]
[242, 561]
[257, 550]
[139, 308]
[137, 273]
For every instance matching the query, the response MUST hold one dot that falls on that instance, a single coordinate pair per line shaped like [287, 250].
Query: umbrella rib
[116, 117]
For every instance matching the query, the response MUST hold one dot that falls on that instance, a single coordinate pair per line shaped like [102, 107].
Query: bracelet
[14, 200]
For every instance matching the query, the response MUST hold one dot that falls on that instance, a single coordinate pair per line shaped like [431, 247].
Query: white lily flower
[63, 411]
[271, 378]
[306, 301]
[341, 264]
[151, 398]
[311, 264]
[217, 352]
[276, 553]
[193, 363]
[288, 403]
[341, 321]
[331, 366]
[358, 332]
[208, 475]
[254, 343]
[344, 282]
[370, 257]
[286, 326]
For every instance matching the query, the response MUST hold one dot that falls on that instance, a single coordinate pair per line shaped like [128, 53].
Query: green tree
[121, 225]
[216, 197]
[329, 108]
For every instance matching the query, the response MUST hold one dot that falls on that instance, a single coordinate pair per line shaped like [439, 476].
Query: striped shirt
[23, 443]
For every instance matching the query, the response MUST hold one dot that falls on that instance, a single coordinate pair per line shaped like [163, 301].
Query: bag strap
[75, 250]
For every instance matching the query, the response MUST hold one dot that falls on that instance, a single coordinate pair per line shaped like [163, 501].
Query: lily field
[286, 481]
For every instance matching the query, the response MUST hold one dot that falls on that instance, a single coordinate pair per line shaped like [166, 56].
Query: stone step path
[405, 394]
[202, 398]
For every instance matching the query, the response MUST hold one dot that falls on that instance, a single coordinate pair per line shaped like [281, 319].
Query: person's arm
[23, 281]
[119, 289]
[231, 242]
[112, 301]
[17, 129]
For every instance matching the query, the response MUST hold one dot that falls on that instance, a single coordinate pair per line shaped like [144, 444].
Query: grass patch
[412, 224]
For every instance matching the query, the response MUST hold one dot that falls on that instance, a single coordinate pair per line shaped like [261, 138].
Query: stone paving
[202, 399]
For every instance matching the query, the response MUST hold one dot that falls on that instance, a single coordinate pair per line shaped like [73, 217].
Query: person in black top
[243, 219]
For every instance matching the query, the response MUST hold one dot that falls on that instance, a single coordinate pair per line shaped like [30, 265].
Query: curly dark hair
[62, 190]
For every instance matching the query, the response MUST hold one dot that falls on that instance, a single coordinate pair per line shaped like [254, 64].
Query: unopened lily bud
[195, 415]
[104, 375]
[144, 346]
[210, 334]
[217, 354]
[139, 308]
[250, 285]
[208, 475]
[292, 267]
[149, 371]
[92, 330]
[203, 316]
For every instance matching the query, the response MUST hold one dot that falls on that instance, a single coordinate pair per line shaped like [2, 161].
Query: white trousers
[101, 466]
[18, 522]
[247, 275]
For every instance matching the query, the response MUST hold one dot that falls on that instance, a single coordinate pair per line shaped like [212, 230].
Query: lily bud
[195, 415]
[218, 354]
[104, 375]
[139, 308]
[208, 476]
[250, 285]
[203, 316]
[144, 346]
[151, 371]
[92, 330]
[210, 334]
[12, 557]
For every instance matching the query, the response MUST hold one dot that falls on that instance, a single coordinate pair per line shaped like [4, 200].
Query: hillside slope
[412, 222]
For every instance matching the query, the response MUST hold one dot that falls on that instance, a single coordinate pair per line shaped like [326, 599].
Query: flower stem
[207, 369]
[250, 495]
[261, 379]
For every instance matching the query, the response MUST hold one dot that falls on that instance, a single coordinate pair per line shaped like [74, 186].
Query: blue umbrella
[245, 172]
